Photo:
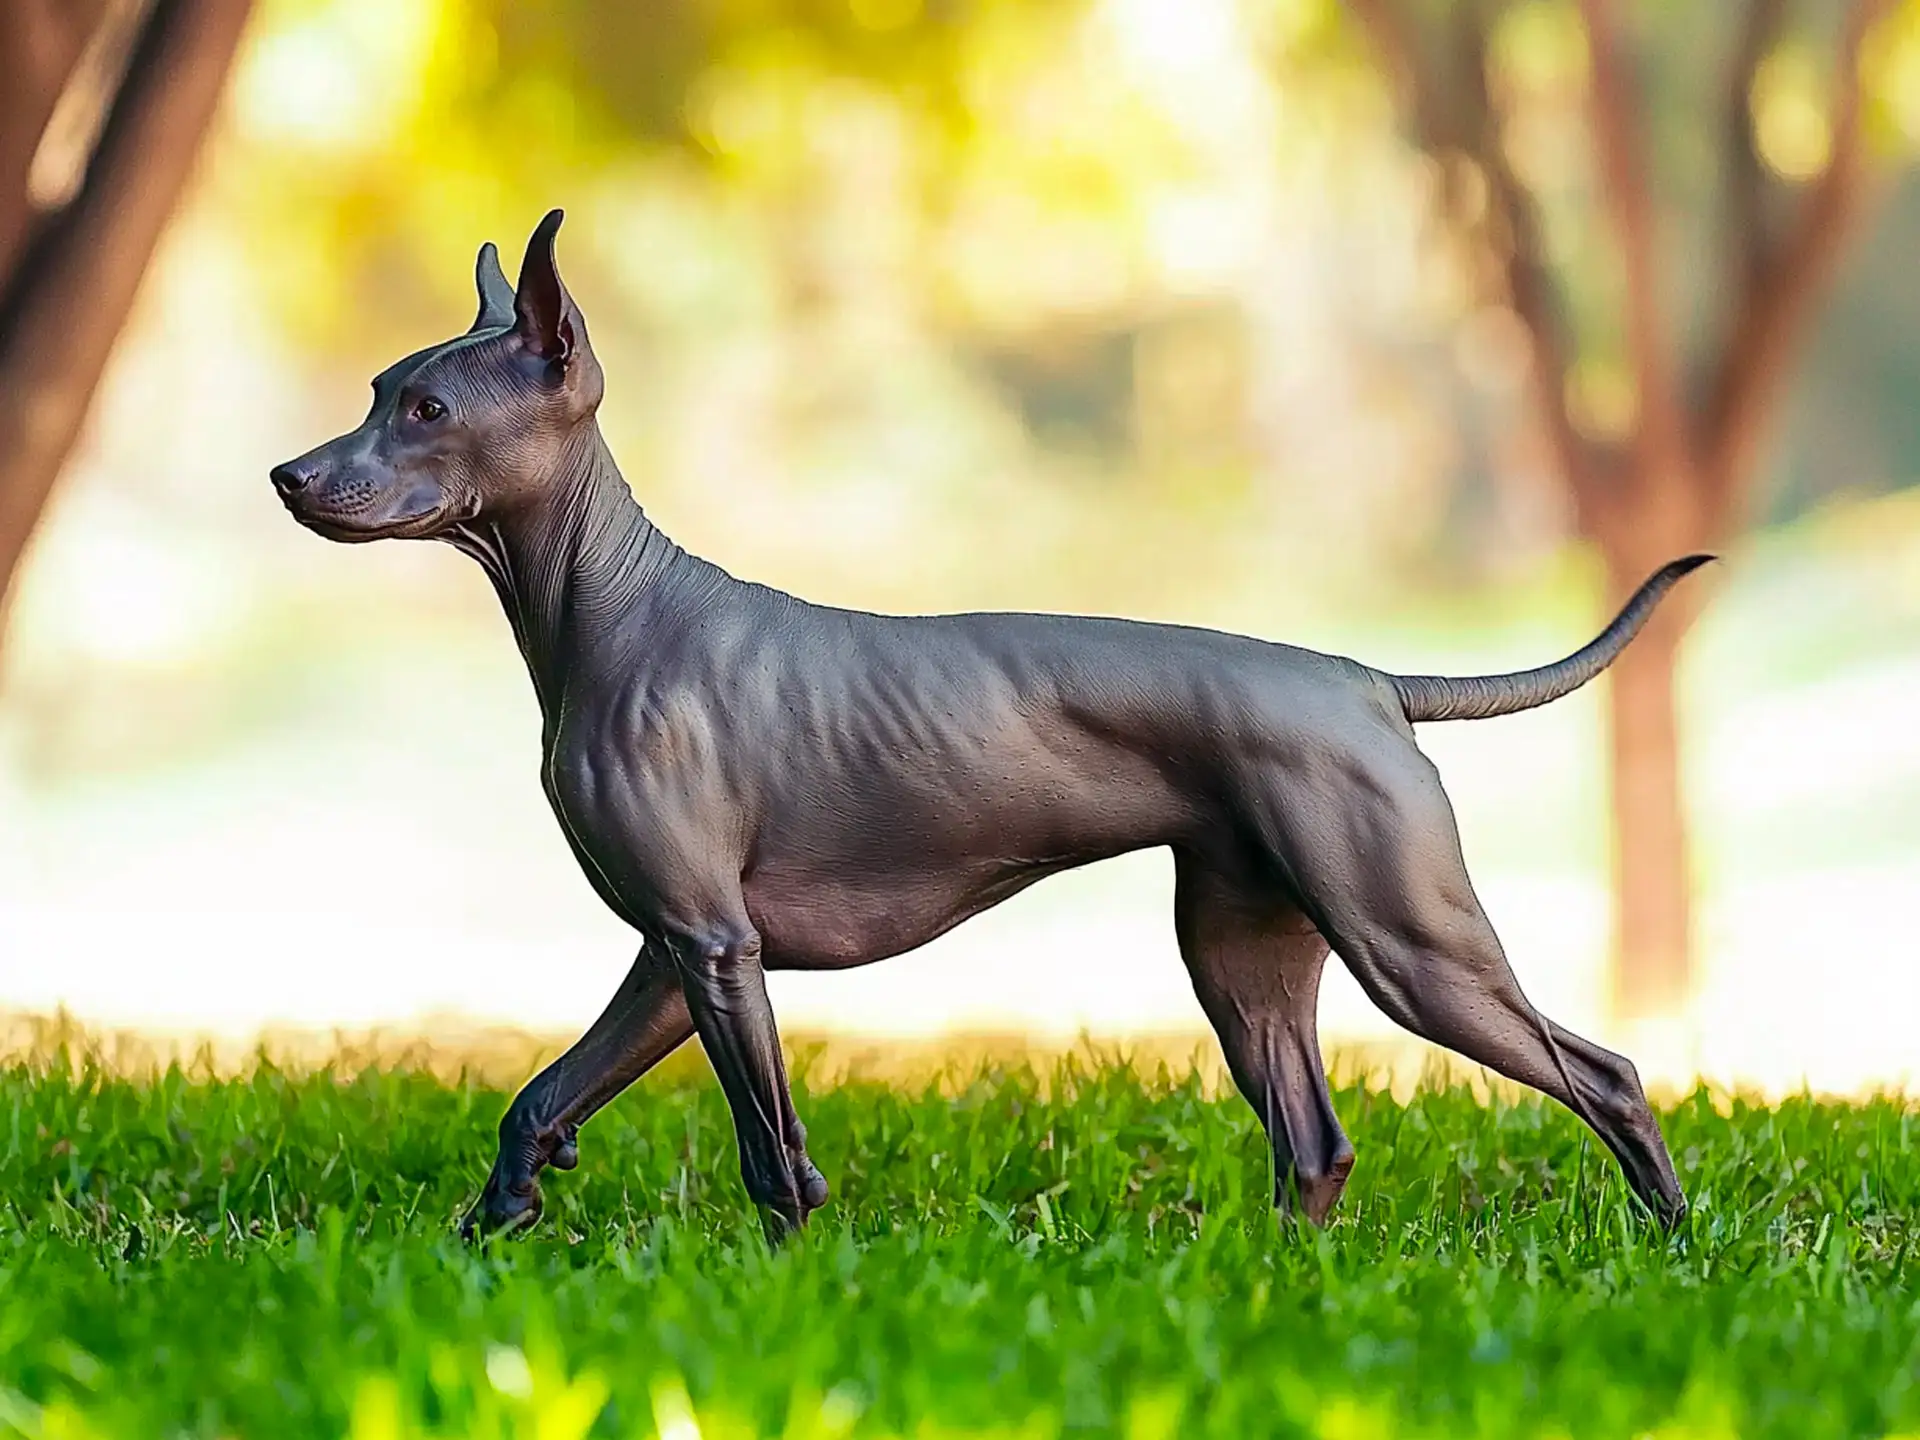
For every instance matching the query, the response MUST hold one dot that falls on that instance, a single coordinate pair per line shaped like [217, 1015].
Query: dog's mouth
[358, 529]
[356, 532]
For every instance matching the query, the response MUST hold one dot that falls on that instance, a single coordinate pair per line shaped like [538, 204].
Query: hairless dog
[753, 782]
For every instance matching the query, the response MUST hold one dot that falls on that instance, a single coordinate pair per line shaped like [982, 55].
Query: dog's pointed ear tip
[496, 294]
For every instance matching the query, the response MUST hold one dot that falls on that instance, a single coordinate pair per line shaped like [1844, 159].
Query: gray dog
[753, 782]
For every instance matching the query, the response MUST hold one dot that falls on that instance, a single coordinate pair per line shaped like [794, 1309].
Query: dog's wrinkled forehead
[453, 364]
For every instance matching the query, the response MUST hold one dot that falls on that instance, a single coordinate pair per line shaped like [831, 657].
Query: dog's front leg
[726, 991]
[644, 1023]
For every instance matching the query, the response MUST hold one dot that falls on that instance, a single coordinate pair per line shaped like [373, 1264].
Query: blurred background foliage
[1031, 205]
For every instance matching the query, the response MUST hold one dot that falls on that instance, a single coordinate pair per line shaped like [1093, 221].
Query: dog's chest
[576, 776]
[625, 784]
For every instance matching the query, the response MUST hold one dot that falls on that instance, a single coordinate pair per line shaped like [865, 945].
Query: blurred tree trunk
[1636, 533]
[101, 117]
[1674, 474]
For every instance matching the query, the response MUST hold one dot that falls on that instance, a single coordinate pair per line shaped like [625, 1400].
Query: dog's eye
[427, 409]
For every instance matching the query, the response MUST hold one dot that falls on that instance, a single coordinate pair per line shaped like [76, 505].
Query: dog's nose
[292, 477]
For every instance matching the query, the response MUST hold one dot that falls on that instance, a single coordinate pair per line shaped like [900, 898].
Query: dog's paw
[503, 1209]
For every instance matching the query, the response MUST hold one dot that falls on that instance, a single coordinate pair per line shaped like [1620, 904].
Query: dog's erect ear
[545, 317]
[496, 295]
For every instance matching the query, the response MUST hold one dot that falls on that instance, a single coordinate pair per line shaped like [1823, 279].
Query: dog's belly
[856, 863]
[843, 875]
[809, 922]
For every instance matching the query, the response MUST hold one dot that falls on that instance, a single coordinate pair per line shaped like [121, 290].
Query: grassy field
[1087, 1250]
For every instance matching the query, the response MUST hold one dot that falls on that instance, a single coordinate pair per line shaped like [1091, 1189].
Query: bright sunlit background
[1125, 306]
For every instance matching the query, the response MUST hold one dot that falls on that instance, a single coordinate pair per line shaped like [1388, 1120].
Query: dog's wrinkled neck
[570, 563]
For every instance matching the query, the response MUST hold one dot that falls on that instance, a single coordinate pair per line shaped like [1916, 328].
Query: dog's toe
[501, 1210]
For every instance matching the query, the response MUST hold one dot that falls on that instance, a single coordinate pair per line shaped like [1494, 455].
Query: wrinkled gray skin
[753, 782]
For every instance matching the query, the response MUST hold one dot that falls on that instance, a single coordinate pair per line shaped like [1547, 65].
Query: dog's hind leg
[1378, 867]
[1256, 961]
[646, 1021]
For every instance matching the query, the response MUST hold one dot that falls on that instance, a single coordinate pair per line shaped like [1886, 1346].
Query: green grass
[1085, 1252]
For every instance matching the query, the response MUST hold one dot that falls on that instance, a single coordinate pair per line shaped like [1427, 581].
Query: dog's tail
[1480, 697]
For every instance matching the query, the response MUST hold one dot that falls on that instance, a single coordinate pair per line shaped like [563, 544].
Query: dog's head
[476, 426]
